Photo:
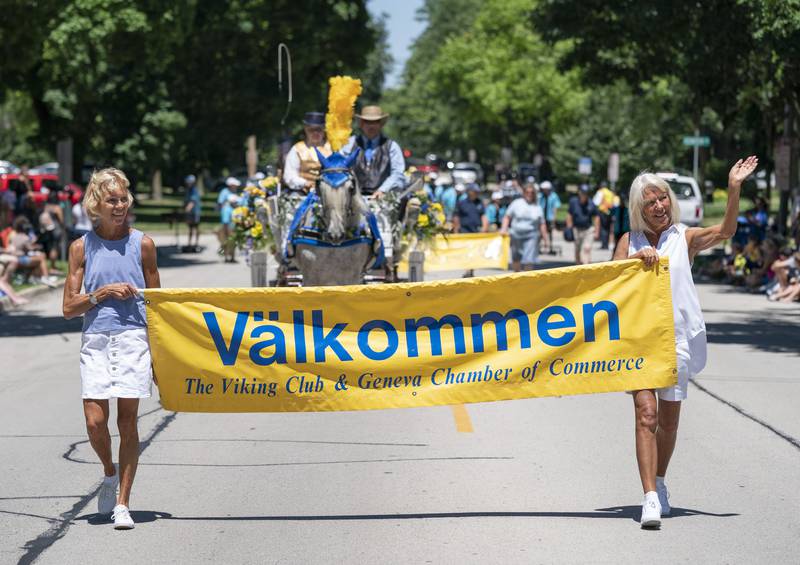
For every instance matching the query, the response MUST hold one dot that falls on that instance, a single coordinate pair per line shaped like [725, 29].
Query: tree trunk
[156, 188]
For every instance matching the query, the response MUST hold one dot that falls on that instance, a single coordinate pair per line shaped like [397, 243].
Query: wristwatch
[93, 298]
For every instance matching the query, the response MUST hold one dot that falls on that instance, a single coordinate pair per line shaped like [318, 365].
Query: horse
[341, 253]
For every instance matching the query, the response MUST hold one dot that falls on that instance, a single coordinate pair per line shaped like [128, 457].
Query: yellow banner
[462, 251]
[577, 330]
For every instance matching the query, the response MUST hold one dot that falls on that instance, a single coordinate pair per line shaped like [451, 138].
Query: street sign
[613, 167]
[585, 165]
[697, 140]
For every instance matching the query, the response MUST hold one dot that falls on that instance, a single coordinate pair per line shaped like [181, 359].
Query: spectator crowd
[759, 259]
[37, 222]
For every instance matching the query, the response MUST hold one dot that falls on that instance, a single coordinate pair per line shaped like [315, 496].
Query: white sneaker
[107, 497]
[122, 518]
[651, 511]
[663, 498]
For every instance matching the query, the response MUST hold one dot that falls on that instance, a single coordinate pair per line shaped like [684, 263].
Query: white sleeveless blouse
[689, 325]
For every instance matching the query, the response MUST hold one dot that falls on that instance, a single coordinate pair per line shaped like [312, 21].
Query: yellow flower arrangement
[341, 99]
[430, 221]
[268, 184]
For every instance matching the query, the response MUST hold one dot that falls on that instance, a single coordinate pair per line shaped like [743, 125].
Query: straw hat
[372, 114]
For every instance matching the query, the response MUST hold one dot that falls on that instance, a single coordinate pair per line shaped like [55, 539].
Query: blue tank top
[113, 261]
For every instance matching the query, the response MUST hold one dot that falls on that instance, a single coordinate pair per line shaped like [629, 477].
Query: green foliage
[422, 119]
[175, 85]
[481, 78]
[18, 125]
[737, 59]
[642, 128]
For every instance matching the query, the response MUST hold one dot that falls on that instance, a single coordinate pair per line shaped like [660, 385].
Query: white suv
[690, 200]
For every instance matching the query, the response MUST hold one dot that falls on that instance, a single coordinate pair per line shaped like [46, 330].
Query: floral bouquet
[251, 231]
[424, 220]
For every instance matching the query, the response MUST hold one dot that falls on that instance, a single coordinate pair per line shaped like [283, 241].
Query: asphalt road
[532, 481]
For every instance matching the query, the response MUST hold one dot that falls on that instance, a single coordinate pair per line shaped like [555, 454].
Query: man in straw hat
[379, 166]
[301, 171]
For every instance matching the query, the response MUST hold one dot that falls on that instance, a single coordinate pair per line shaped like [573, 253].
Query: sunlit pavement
[545, 480]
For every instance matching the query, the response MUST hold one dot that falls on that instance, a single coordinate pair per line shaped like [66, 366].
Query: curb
[29, 293]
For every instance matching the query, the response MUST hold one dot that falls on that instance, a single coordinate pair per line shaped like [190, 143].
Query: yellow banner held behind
[577, 330]
[462, 251]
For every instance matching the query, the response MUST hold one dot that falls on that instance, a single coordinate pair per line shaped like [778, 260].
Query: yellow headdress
[341, 101]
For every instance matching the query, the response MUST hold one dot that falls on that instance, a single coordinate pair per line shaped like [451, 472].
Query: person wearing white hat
[380, 165]
[550, 203]
[226, 201]
[495, 210]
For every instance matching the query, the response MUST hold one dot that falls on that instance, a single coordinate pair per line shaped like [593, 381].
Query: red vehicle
[11, 181]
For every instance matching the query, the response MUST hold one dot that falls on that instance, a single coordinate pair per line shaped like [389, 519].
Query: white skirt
[116, 364]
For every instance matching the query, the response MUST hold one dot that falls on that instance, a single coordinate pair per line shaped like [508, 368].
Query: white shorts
[116, 364]
[680, 390]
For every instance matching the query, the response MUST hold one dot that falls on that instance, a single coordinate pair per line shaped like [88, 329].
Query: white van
[690, 199]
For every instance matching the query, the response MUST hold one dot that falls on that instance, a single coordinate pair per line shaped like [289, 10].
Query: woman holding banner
[656, 232]
[111, 263]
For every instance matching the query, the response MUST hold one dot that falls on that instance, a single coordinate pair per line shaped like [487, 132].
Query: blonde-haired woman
[110, 263]
[656, 232]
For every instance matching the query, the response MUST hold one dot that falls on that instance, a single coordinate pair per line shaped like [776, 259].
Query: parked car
[8, 167]
[467, 173]
[690, 199]
[45, 168]
[526, 170]
[48, 182]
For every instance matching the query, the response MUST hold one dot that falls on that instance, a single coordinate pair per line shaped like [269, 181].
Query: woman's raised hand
[742, 169]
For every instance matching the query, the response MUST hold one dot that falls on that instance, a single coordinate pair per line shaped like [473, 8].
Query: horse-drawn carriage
[336, 236]
[333, 235]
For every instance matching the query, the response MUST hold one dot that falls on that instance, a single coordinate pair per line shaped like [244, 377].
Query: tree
[180, 84]
[738, 58]
[642, 128]
[484, 81]
[421, 119]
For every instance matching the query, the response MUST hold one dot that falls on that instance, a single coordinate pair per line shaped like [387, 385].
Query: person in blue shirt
[470, 216]
[380, 165]
[496, 210]
[192, 208]
[447, 195]
[110, 264]
[550, 203]
[583, 219]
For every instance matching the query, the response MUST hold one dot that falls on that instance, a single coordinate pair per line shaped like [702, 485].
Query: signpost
[613, 169]
[697, 141]
[585, 165]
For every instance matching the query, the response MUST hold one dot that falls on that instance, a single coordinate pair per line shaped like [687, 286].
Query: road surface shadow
[171, 256]
[770, 335]
[20, 324]
[624, 512]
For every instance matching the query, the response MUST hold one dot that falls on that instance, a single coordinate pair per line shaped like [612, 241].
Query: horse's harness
[308, 204]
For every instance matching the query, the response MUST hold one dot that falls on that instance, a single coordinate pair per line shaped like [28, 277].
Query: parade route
[527, 481]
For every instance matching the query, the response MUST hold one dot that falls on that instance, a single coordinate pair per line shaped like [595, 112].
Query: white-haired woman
[110, 263]
[656, 232]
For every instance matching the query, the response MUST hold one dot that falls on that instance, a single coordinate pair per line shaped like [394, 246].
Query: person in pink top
[656, 232]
